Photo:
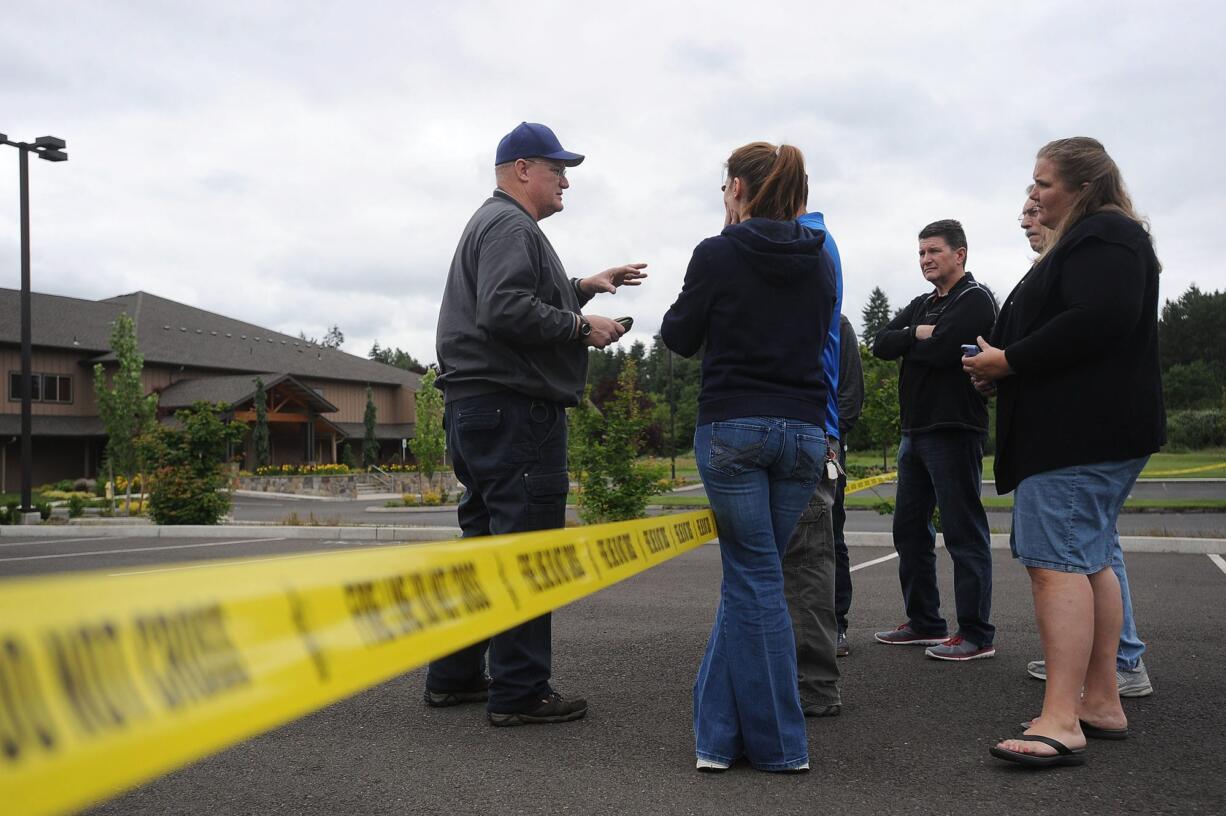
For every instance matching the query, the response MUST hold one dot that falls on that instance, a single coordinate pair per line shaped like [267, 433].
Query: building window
[46, 387]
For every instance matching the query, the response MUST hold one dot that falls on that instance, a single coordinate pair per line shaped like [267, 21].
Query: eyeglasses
[1033, 212]
[557, 169]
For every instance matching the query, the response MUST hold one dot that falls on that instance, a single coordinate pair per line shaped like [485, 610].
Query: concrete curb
[1000, 541]
[1146, 544]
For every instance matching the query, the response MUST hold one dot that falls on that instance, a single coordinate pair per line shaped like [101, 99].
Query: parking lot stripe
[209, 564]
[880, 560]
[138, 549]
[1217, 559]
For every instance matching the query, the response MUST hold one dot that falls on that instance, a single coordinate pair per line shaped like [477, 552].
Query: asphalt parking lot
[912, 738]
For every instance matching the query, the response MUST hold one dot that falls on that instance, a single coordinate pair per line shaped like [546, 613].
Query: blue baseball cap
[533, 141]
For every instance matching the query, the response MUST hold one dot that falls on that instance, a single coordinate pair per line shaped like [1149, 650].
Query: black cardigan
[1080, 332]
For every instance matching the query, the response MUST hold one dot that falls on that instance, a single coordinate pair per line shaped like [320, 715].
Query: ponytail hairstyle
[1083, 166]
[775, 180]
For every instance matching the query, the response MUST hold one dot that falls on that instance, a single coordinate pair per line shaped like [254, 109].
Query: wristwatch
[585, 328]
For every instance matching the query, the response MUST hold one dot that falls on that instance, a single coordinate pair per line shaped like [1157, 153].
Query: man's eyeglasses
[557, 169]
[1033, 212]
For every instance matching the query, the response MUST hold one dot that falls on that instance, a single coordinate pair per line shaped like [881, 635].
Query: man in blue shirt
[809, 565]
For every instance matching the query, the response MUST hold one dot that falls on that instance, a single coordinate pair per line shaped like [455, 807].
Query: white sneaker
[711, 766]
[1133, 683]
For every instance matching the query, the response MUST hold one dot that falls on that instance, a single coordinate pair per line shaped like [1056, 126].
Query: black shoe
[443, 699]
[841, 649]
[552, 709]
[822, 710]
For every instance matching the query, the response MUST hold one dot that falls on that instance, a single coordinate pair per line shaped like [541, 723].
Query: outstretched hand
[610, 279]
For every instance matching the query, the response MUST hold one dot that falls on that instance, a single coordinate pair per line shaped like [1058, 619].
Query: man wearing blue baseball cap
[512, 345]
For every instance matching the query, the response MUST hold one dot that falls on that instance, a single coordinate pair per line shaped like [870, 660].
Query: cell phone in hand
[970, 350]
[626, 322]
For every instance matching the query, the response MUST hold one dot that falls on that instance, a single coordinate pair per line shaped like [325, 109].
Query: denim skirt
[1065, 519]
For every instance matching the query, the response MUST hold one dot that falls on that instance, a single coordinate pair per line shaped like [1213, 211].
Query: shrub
[410, 500]
[431, 498]
[1196, 429]
[44, 510]
[76, 506]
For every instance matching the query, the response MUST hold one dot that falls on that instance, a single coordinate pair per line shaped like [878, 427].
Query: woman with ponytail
[758, 300]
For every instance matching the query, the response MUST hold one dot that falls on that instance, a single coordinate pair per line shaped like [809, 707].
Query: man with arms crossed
[940, 458]
[512, 349]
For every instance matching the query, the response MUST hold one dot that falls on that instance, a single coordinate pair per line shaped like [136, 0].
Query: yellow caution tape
[1184, 471]
[872, 481]
[108, 681]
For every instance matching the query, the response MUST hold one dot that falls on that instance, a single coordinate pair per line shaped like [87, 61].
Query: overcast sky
[301, 164]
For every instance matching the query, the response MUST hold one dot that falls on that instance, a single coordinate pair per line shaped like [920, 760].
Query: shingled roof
[236, 390]
[173, 333]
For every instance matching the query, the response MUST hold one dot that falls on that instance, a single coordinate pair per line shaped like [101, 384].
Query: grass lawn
[1208, 463]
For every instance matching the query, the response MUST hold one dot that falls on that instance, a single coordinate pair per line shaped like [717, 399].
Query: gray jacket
[851, 378]
[507, 317]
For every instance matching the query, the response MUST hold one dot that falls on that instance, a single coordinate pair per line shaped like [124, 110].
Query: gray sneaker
[841, 649]
[1133, 683]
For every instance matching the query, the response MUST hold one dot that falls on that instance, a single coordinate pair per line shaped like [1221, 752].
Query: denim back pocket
[737, 447]
[810, 454]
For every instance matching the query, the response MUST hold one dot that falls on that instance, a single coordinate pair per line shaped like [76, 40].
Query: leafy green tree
[189, 482]
[126, 411]
[1191, 386]
[604, 451]
[370, 445]
[428, 442]
[1192, 328]
[876, 315]
[879, 426]
[260, 432]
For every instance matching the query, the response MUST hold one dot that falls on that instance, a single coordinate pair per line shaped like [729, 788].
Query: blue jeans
[1131, 647]
[759, 473]
[944, 469]
[509, 452]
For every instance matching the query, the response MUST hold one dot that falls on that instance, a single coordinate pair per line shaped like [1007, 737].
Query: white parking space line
[50, 541]
[205, 565]
[138, 549]
[1217, 559]
[875, 561]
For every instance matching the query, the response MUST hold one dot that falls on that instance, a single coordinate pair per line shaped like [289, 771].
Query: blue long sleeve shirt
[830, 353]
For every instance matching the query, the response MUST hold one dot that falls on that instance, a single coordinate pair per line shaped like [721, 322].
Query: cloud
[305, 165]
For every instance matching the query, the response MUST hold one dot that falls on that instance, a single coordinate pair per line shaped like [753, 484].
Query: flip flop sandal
[1094, 732]
[1063, 756]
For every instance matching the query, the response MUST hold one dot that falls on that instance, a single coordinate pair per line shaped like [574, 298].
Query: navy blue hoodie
[758, 300]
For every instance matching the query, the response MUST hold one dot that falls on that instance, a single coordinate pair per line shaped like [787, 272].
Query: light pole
[51, 149]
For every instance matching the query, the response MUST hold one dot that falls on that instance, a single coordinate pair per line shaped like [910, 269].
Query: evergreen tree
[429, 442]
[126, 411]
[260, 433]
[1193, 328]
[876, 315]
[604, 449]
[370, 446]
[190, 483]
[397, 357]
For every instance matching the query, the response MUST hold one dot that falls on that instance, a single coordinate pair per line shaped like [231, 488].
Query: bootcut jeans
[759, 473]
